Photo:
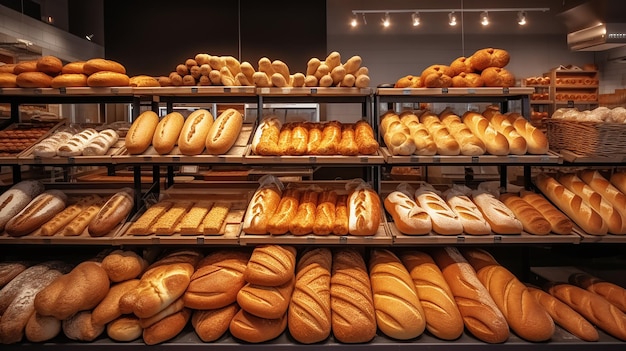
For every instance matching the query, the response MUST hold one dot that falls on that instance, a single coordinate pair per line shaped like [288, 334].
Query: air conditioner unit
[601, 37]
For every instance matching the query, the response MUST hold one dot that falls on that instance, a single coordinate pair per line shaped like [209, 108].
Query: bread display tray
[71, 91]
[27, 157]
[314, 91]
[608, 238]
[195, 91]
[52, 126]
[228, 234]
[571, 156]
[376, 159]
[82, 239]
[550, 158]
[481, 91]
[234, 155]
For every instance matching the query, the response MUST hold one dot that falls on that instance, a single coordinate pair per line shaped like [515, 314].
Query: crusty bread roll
[287, 208]
[99, 64]
[618, 179]
[217, 280]
[265, 139]
[75, 67]
[8, 68]
[166, 328]
[33, 80]
[495, 142]
[224, 132]
[112, 213]
[480, 313]
[171, 309]
[559, 222]
[269, 302]
[497, 77]
[565, 316]
[526, 317]
[408, 81]
[253, 329]
[594, 307]
[108, 79]
[603, 207]
[125, 328]
[261, 208]
[407, 215]
[8, 80]
[353, 319]
[140, 134]
[143, 81]
[614, 293]
[536, 140]
[81, 289]
[271, 265]
[571, 204]
[460, 65]
[166, 132]
[192, 138]
[109, 308]
[364, 211]
[340, 227]
[50, 65]
[41, 328]
[532, 220]
[399, 313]
[469, 215]
[437, 76]
[210, 325]
[610, 193]
[309, 315]
[464, 79]
[79, 327]
[398, 139]
[489, 57]
[40, 210]
[25, 66]
[501, 219]
[122, 265]
[443, 318]
[13, 200]
[444, 220]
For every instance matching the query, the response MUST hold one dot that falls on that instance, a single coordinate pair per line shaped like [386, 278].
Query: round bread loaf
[49, 65]
[143, 81]
[408, 81]
[125, 328]
[75, 67]
[69, 80]
[8, 80]
[99, 64]
[108, 79]
[489, 57]
[461, 65]
[33, 80]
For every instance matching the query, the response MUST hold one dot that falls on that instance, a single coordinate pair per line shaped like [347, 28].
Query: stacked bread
[472, 134]
[87, 142]
[205, 69]
[303, 211]
[484, 68]
[15, 140]
[600, 114]
[273, 138]
[197, 134]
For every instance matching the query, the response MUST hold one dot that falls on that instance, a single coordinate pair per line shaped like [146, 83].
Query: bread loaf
[121, 265]
[446, 143]
[69, 80]
[75, 67]
[495, 142]
[40, 210]
[99, 64]
[260, 210]
[501, 219]
[109, 308]
[192, 138]
[304, 219]
[469, 215]
[526, 317]
[325, 213]
[444, 220]
[81, 289]
[271, 265]
[269, 302]
[489, 57]
[210, 325]
[287, 208]
[618, 179]
[399, 313]
[265, 139]
[559, 223]
[141, 132]
[365, 139]
[609, 192]
[470, 144]
[166, 328]
[565, 316]
[33, 80]
[217, 280]
[340, 227]
[407, 215]
[517, 143]
[8, 80]
[253, 329]
[101, 144]
[41, 328]
[398, 139]
[167, 132]
[108, 79]
[353, 319]
[299, 140]
[125, 328]
[113, 212]
[79, 327]
[443, 318]
[309, 315]
[594, 307]
[480, 313]
[224, 132]
[532, 220]
[424, 142]
[364, 212]
[10, 270]
[12, 288]
[171, 309]
[13, 200]
[614, 293]
[536, 140]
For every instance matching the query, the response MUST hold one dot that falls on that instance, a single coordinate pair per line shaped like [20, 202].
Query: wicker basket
[586, 138]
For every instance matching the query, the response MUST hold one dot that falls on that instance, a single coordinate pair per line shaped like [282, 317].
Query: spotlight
[386, 22]
[452, 19]
[364, 20]
[89, 37]
[354, 22]
[521, 18]
[416, 19]
[484, 18]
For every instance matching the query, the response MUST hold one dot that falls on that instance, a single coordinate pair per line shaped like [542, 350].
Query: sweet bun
[108, 79]
[33, 80]
[461, 65]
[98, 64]
[464, 79]
[408, 81]
[489, 57]
[50, 65]
[437, 76]
[498, 77]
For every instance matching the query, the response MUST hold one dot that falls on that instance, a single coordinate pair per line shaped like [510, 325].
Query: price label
[471, 91]
[115, 91]
[70, 160]
[63, 90]
[364, 159]
[147, 158]
[227, 90]
[313, 91]
[194, 90]
[512, 158]
[497, 239]
[475, 159]
[200, 240]
[155, 240]
[343, 239]
[460, 239]
[312, 159]
[570, 103]
[414, 159]
[189, 169]
[176, 159]
[37, 91]
[221, 159]
[544, 158]
[444, 90]
[406, 91]
[436, 159]
[265, 90]
[505, 90]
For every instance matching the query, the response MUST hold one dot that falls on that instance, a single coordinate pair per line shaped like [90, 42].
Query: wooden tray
[27, 158]
[376, 159]
[549, 158]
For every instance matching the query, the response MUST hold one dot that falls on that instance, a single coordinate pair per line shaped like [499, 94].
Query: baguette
[609, 192]
[618, 179]
[614, 293]
[167, 132]
[532, 220]
[517, 143]
[469, 215]
[353, 319]
[224, 132]
[308, 317]
[325, 213]
[260, 210]
[13, 200]
[526, 317]
[287, 208]
[565, 316]
[192, 138]
[331, 138]
[444, 220]
[304, 219]
[40, 210]
[407, 215]
[399, 313]
[495, 142]
[443, 318]
[471, 145]
[604, 208]
[364, 212]
[559, 223]
[481, 315]
[446, 143]
[501, 219]
[10, 270]
[141, 132]
[299, 140]
[592, 306]
[340, 226]
[113, 212]
[536, 140]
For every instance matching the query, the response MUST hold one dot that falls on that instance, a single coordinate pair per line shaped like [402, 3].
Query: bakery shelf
[337, 160]
[457, 92]
[541, 102]
[184, 91]
[550, 158]
[27, 157]
[314, 91]
[380, 238]
[576, 86]
[72, 91]
[578, 159]
[608, 238]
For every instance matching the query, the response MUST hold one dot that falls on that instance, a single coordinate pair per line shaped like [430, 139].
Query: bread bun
[437, 76]
[25, 66]
[192, 138]
[497, 77]
[8, 80]
[489, 57]
[122, 265]
[75, 67]
[108, 79]
[472, 80]
[141, 132]
[33, 80]
[224, 132]
[99, 64]
[69, 80]
[167, 132]
[125, 328]
[143, 81]
[50, 65]
[409, 81]
[8, 68]
[210, 325]
[461, 65]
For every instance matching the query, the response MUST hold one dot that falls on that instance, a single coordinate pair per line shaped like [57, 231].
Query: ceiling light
[521, 18]
[354, 22]
[364, 20]
[484, 18]
[452, 18]
[89, 37]
[386, 22]
[416, 19]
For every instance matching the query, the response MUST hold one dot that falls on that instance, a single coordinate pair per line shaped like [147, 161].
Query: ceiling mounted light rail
[453, 19]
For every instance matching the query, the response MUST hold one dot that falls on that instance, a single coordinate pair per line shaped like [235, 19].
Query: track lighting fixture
[364, 20]
[89, 37]
[386, 22]
[354, 21]
[452, 18]
[416, 19]
[521, 18]
[484, 18]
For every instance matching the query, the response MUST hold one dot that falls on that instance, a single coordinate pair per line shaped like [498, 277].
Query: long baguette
[112, 213]
[496, 143]
[614, 293]
[609, 192]
[167, 132]
[192, 138]
[40, 210]
[224, 132]
[140, 134]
